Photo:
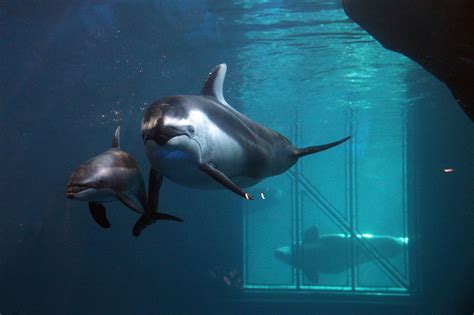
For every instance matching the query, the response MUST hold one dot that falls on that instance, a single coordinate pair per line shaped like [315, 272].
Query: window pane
[268, 227]
[329, 254]
[340, 221]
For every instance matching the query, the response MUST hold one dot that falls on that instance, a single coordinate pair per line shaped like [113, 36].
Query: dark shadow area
[436, 34]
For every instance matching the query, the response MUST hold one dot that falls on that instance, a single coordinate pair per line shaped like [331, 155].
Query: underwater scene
[236, 157]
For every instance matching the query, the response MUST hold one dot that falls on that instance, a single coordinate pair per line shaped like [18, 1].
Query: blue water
[71, 72]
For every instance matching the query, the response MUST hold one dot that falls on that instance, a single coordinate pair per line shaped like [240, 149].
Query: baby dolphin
[201, 141]
[113, 174]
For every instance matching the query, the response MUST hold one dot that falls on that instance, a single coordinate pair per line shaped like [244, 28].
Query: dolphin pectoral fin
[224, 180]
[149, 218]
[128, 202]
[318, 148]
[154, 185]
[99, 214]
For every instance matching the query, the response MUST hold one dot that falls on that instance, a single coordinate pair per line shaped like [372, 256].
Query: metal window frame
[408, 287]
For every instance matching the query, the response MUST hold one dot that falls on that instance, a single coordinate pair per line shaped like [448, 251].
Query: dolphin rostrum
[201, 141]
[329, 253]
[113, 174]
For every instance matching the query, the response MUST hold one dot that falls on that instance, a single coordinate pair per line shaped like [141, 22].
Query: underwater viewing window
[339, 220]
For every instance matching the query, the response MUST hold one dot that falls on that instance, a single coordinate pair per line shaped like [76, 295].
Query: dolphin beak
[74, 189]
[162, 134]
[279, 252]
[160, 139]
[69, 194]
[283, 254]
[146, 137]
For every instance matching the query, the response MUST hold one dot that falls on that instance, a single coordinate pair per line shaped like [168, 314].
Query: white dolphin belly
[182, 165]
[178, 166]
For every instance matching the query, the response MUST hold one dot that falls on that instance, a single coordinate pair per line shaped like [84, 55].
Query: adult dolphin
[201, 141]
[113, 175]
[328, 253]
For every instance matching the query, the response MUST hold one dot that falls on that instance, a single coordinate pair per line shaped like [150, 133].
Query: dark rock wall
[437, 34]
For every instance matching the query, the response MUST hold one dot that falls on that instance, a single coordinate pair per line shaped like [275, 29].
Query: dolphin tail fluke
[142, 223]
[318, 148]
[148, 219]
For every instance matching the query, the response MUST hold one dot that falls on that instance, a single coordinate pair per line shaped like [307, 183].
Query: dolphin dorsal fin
[311, 235]
[214, 83]
[116, 141]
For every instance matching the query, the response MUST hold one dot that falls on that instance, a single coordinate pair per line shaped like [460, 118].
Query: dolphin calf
[113, 174]
[329, 253]
[201, 141]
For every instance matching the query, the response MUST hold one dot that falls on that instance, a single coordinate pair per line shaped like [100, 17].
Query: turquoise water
[71, 73]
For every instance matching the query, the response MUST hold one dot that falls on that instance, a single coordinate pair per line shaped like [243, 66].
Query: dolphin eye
[191, 129]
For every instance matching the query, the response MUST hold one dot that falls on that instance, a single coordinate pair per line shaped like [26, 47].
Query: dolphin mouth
[162, 139]
[164, 134]
[72, 190]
